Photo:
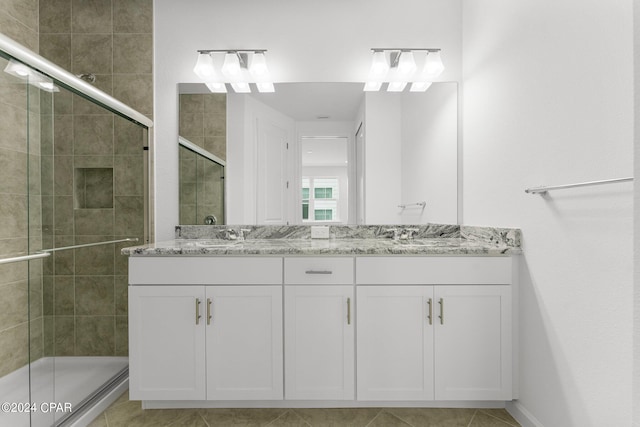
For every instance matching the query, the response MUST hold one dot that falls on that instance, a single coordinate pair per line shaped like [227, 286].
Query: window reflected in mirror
[325, 179]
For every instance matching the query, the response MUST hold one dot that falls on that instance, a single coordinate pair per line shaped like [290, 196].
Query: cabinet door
[166, 343]
[244, 342]
[473, 342]
[395, 343]
[319, 342]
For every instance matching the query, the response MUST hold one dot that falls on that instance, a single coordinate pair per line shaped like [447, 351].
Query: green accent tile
[129, 218]
[55, 16]
[95, 335]
[13, 348]
[93, 135]
[94, 296]
[57, 49]
[92, 53]
[64, 335]
[91, 16]
[122, 336]
[133, 53]
[94, 260]
[63, 296]
[132, 16]
[13, 304]
[135, 90]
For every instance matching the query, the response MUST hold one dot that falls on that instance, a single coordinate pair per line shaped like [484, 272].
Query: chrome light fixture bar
[237, 67]
[397, 67]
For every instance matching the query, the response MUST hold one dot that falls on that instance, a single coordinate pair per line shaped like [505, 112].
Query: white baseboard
[522, 415]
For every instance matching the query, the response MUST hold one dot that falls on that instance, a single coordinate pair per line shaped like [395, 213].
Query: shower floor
[57, 380]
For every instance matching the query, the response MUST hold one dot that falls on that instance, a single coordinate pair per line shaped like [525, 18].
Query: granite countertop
[345, 240]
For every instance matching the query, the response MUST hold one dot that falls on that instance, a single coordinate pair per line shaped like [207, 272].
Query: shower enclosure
[201, 185]
[73, 192]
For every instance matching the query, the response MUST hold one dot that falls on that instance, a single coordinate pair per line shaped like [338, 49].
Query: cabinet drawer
[318, 271]
[434, 270]
[205, 270]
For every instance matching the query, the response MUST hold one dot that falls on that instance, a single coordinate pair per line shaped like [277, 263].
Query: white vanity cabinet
[422, 341]
[166, 346]
[219, 341]
[220, 331]
[319, 311]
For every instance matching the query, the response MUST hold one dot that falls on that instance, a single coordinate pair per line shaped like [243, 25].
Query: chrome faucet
[233, 234]
[241, 233]
[408, 233]
[395, 231]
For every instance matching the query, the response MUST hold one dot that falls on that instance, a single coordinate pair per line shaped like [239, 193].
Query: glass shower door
[73, 193]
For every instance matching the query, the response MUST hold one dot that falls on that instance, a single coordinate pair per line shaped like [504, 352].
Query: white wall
[337, 36]
[548, 100]
[429, 155]
[636, 227]
[383, 157]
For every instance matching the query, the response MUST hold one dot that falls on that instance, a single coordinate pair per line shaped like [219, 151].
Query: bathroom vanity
[360, 319]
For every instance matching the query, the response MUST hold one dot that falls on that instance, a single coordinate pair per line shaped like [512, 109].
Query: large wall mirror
[321, 153]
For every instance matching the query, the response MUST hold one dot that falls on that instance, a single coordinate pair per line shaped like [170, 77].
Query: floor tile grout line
[202, 418]
[500, 419]
[399, 417]
[472, 418]
[374, 418]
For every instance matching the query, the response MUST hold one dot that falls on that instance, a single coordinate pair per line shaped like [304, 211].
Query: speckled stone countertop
[429, 239]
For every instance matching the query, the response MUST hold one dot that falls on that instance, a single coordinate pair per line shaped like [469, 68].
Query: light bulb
[265, 87]
[258, 66]
[379, 65]
[433, 66]
[396, 86]
[241, 87]
[372, 86]
[217, 87]
[406, 64]
[204, 66]
[419, 86]
[231, 65]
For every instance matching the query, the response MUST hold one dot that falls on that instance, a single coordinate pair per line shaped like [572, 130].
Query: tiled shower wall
[203, 121]
[94, 153]
[19, 20]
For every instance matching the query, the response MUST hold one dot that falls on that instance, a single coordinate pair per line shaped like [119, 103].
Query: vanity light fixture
[397, 67]
[238, 68]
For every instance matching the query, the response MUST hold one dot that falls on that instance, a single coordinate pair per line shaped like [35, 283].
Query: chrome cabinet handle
[198, 311]
[348, 311]
[209, 311]
[318, 272]
[430, 303]
[441, 302]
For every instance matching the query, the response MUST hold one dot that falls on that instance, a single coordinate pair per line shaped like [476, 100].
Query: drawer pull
[441, 302]
[209, 311]
[198, 311]
[318, 272]
[348, 311]
[429, 317]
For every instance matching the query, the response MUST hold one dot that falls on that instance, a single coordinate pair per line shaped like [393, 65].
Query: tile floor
[125, 413]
